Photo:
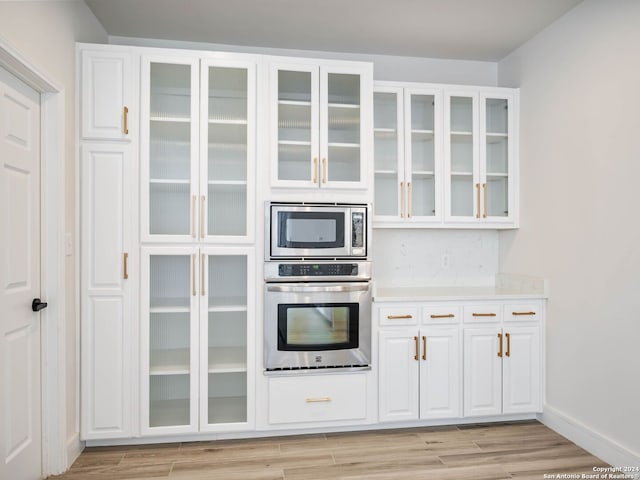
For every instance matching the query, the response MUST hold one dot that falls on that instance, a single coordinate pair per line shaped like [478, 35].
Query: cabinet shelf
[170, 181]
[219, 121]
[462, 174]
[344, 145]
[167, 119]
[422, 134]
[229, 183]
[228, 308]
[295, 103]
[169, 362]
[350, 106]
[294, 143]
[227, 360]
[170, 305]
[386, 172]
[227, 304]
[177, 361]
[423, 173]
[497, 175]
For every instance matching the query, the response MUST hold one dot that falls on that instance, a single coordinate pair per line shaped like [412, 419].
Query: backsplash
[415, 257]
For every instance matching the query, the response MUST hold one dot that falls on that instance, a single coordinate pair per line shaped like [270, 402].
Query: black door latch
[37, 305]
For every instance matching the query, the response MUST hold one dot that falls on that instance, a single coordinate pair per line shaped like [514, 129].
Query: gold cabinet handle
[410, 199]
[500, 338]
[315, 169]
[401, 199]
[424, 347]
[203, 203]
[126, 120]
[324, 170]
[522, 313]
[484, 188]
[417, 355]
[478, 199]
[125, 258]
[193, 274]
[448, 315]
[398, 317]
[483, 314]
[203, 262]
[193, 216]
[508, 353]
[318, 400]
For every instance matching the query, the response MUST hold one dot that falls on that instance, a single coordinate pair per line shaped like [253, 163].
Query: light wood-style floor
[524, 451]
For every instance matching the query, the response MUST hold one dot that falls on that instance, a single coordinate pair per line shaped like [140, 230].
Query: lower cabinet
[318, 398]
[501, 370]
[419, 370]
[439, 361]
[196, 325]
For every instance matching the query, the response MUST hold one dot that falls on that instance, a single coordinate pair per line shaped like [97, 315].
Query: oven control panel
[317, 269]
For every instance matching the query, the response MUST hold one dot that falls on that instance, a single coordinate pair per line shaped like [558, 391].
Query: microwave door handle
[325, 288]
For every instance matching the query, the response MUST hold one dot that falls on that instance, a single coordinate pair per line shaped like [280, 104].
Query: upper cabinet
[197, 149]
[107, 110]
[320, 124]
[445, 157]
[480, 157]
[407, 153]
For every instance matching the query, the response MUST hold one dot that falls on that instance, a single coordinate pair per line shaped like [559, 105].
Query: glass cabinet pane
[461, 155]
[169, 340]
[227, 339]
[497, 156]
[422, 187]
[343, 162]
[385, 119]
[169, 149]
[294, 125]
[227, 151]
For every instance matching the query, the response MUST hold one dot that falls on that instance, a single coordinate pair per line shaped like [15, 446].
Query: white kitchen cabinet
[407, 155]
[320, 124]
[197, 149]
[197, 320]
[502, 363]
[109, 275]
[480, 157]
[107, 109]
[419, 366]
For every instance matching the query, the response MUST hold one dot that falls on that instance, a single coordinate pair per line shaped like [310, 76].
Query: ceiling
[484, 30]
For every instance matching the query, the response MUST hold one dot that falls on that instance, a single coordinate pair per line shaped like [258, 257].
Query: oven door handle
[319, 288]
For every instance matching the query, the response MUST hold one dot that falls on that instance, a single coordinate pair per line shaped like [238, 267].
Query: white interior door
[20, 399]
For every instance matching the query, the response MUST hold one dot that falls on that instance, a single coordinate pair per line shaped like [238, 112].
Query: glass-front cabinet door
[169, 153]
[320, 128]
[388, 153]
[197, 149]
[422, 155]
[227, 152]
[407, 155]
[479, 157]
[497, 156]
[169, 337]
[225, 380]
[197, 310]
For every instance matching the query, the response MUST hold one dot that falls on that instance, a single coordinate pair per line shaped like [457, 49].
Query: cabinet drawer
[398, 315]
[522, 312]
[321, 398]
[483, 313]
[440, 314]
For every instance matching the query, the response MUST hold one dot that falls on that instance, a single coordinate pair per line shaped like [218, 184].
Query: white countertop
[507, 287]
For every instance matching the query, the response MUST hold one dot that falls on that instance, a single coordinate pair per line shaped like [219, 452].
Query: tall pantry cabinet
[188, 345]
[108, 139]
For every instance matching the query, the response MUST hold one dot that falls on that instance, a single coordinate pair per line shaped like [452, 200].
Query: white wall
[580, 175]
[45, 33]
[386, 67]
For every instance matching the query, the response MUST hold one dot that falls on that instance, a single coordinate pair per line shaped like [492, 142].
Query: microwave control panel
[317, 269]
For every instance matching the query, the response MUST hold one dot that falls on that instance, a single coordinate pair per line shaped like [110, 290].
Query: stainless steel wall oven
[317, 307]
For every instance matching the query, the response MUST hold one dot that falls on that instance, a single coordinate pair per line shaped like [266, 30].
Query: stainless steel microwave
[314, 230]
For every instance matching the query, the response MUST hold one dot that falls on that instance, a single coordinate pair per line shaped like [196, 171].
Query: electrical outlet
[444, 260]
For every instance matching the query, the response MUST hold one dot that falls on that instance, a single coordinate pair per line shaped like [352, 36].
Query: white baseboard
[74, 449]
[595, 443]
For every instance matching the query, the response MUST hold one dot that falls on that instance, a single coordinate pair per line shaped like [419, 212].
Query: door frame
[55, 446]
